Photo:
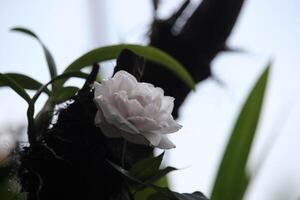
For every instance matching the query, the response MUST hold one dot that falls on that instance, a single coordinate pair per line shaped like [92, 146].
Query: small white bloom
[136, 111]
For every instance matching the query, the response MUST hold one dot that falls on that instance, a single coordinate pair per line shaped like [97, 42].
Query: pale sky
[266, 30]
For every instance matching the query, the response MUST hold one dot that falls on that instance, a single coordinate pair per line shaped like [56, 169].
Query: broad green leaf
[150, 53]
[30, 110]
[147, 167]
[8, 81]
[231, 181]
[49, 58]
[25, 81]
[65, 93]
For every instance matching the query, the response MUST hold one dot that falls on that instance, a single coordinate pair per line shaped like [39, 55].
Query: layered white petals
[138, 112]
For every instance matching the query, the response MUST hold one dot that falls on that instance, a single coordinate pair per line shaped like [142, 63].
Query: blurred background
[265, 30]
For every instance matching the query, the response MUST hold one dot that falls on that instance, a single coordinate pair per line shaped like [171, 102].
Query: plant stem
[123, 155]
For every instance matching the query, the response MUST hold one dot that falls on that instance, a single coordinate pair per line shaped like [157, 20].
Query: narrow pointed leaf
[231, 181]
[30, 110]
[150, 53]
[49, 58]
[25, 81]
[5, 80]
[166, 192]
[147, 167]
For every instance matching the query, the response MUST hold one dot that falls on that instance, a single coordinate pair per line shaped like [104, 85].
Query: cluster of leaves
[145, 177]
[58, 92]
[232, 176]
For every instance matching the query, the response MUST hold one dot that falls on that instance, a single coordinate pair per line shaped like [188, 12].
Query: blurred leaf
[5, 193]
[150, 53]
[8, 81]
[147, 167]
[25, 81]
[65, 93]
[49, 58]
[231, 181]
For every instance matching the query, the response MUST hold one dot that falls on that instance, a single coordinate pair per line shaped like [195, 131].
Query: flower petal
[107, 129]
[136, 139]
[113, 116]
[121, 100]
[167, 104]
[144, 124]
[154, 139]
[98, 89]
[165, 143]
[134, 108]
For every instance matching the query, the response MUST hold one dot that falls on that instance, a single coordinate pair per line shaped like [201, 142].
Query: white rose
[136, 111]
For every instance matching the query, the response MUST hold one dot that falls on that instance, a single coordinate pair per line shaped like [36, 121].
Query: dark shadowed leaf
[25, 81]
[9, 82]
[130, 62]
[232, 180]
[167, 193]
[149, 53]
[147, 167]
[49, 58]
[30, 110]
[5, 193]
[178, 196]
[65, 93]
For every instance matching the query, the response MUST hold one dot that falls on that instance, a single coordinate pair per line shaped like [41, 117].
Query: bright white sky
[266, 30]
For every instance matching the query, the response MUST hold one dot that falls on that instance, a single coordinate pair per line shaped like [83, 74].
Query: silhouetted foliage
[200, 39]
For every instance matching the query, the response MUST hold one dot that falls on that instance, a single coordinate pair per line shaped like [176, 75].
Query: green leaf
[49, 58]
[147, 167]
[65, 93]
[5, 193]
[25, 81]
[151, 53]
[231, 181]
[8, 81]
[178, 196]
[166, 192]
[159, 174]
[158, 179]
[30, 110]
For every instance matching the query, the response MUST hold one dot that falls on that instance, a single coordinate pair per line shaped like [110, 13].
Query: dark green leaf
[231, 181]
[178, 196]
[147, 167]
[193, 196]
[158, 179]
[151, 53]
[25, 81]
[49, 58]
[6, 80]
[65, 93]
[5, 193]
[30, 110]
[159, 174]
[167, 193]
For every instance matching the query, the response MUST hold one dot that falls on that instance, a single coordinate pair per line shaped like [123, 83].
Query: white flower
[136, 111]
